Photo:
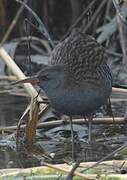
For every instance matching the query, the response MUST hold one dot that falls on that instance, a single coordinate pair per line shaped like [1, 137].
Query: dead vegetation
[106, 21]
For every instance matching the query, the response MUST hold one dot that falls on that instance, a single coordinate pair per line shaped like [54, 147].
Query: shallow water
[11, 109]
[55, 141]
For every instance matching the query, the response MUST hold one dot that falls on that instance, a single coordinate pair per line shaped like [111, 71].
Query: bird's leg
[90, 129]
[72, 136]
[109, 110]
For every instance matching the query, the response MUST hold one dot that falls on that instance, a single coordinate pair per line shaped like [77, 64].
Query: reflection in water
[55, 140]
[11, 108]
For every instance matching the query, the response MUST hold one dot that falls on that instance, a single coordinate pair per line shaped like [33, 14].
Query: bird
[78, 80]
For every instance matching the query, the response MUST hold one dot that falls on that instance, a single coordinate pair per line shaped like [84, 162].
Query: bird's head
[48, 76]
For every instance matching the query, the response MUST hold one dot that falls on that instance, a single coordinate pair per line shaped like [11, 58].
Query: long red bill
[33, 80]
